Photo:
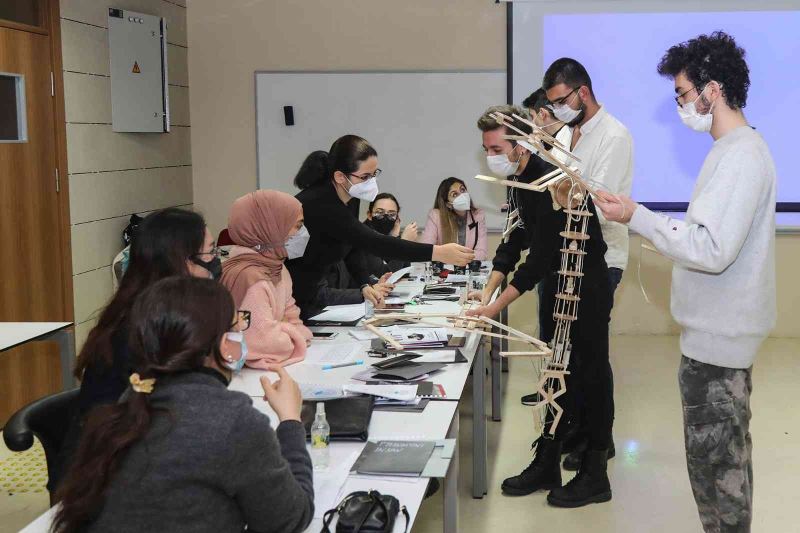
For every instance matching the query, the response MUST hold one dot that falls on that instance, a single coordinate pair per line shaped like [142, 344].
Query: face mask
[382, 225]
[462, 202]
[693, 119]
[566, 114]
[366, 190]
[296, 245]
[501, 165]
[214, 266]
[237, 336]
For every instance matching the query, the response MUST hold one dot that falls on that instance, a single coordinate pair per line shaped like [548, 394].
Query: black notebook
[394, 458]
[348, 417]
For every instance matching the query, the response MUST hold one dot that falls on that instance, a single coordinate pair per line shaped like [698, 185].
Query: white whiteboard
[423, 125]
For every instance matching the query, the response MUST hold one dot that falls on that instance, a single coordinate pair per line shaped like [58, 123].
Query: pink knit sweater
[276, 334]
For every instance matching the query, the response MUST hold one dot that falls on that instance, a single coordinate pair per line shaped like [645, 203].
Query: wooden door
[35, 277]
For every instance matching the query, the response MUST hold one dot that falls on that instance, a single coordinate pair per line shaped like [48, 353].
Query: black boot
[591, 485]
[573, 461]
[544, 472]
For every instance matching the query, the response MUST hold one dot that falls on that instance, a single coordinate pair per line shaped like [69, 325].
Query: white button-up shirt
[605, 148]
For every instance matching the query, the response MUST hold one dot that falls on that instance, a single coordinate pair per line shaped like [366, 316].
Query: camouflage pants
[716, 422]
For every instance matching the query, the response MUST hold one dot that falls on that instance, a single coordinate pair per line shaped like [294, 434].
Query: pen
[340, 365]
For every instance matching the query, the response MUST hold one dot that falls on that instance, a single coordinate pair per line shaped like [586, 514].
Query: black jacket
[335, 230]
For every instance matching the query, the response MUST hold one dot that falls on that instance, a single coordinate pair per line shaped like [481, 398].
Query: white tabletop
[15, 333]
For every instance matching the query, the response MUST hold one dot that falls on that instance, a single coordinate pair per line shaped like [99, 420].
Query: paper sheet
[340, 313]
[332, 353]
[362, 334]
[394, 392]
[439, 356]
[320, 391]
[395, 277]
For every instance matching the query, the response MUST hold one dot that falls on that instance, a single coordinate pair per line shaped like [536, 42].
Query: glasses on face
[680, 96]
[216, 251]
[560, 101]
[242, 321]
[380, 214]
[366, 177]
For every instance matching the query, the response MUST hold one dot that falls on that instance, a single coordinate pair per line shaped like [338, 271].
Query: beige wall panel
[87, 98]
[179, 106]
[94, 147]
[178, 60]
[95, 244]
[110, 194]
[92, 291]
[84, 48]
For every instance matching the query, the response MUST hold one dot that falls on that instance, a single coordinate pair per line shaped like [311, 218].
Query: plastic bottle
[320, 439]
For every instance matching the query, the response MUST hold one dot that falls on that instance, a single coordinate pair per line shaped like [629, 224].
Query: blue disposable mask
[236, 336]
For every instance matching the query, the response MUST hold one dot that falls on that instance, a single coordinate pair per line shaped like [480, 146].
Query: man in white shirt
[723, 279]
[604, 148]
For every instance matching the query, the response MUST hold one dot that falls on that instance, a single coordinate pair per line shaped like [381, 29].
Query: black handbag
[365, 512]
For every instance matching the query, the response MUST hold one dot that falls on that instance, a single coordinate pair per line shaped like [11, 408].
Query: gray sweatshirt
[723, 280]
[211, 464]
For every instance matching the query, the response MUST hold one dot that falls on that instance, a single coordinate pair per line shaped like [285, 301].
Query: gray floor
[648, 476]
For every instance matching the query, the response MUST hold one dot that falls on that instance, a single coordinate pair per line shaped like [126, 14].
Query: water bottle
[320, 439]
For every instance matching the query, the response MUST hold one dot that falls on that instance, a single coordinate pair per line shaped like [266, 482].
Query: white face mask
[693, 119]
[462, 202]
[296, 245]
[565, 113]
[501, 165]
[366, 190]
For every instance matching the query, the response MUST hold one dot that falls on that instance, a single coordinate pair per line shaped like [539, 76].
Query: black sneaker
[544, 472]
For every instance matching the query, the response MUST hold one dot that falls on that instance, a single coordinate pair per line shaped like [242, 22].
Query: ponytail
[345, 155]
[109, 432]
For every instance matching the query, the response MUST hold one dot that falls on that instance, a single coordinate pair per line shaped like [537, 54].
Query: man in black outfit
[589, 333]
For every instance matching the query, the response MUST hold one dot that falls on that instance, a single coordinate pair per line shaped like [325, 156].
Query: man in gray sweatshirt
[723, 280]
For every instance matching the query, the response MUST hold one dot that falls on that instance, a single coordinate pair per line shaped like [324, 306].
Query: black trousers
[589, 397]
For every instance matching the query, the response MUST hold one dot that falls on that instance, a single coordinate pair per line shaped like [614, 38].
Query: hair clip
[145, 386]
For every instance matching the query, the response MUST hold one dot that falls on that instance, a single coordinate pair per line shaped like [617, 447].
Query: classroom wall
[232, 39]
[113, 175]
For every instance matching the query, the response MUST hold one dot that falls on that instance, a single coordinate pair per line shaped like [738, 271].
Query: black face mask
[382, 225]
[214, 266]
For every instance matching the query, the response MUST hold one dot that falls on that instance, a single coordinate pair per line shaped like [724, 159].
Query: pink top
[475, 240]
[276, 334]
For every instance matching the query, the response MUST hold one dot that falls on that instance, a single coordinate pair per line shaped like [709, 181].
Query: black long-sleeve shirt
[542, 228]
[335, 229]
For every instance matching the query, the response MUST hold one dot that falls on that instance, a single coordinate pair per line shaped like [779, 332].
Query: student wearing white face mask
[267, 228]
[455, 219]
[332, 183]
[723, 279]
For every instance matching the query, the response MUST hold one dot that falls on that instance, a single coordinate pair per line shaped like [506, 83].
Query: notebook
[394, 458]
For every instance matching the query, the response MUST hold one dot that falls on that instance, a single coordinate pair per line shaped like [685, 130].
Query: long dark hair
[174, 325]
[448, 217]
[383, 196]
[163, 242]
[345, 155]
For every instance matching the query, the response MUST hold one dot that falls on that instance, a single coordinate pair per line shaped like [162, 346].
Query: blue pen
[341, 365]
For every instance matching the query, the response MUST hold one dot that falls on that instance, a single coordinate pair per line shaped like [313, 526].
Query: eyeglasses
[678, 98]
[380, 213]
[367, 176]
[242, 321]
[559, 101]
[216, 251]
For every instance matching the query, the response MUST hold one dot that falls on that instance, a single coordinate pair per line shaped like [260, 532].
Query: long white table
[13, 334]
[439, 419]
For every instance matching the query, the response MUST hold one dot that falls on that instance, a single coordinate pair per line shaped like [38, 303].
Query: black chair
[48, 419]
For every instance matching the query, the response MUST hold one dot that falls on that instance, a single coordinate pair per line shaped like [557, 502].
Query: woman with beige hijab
[267, 228]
